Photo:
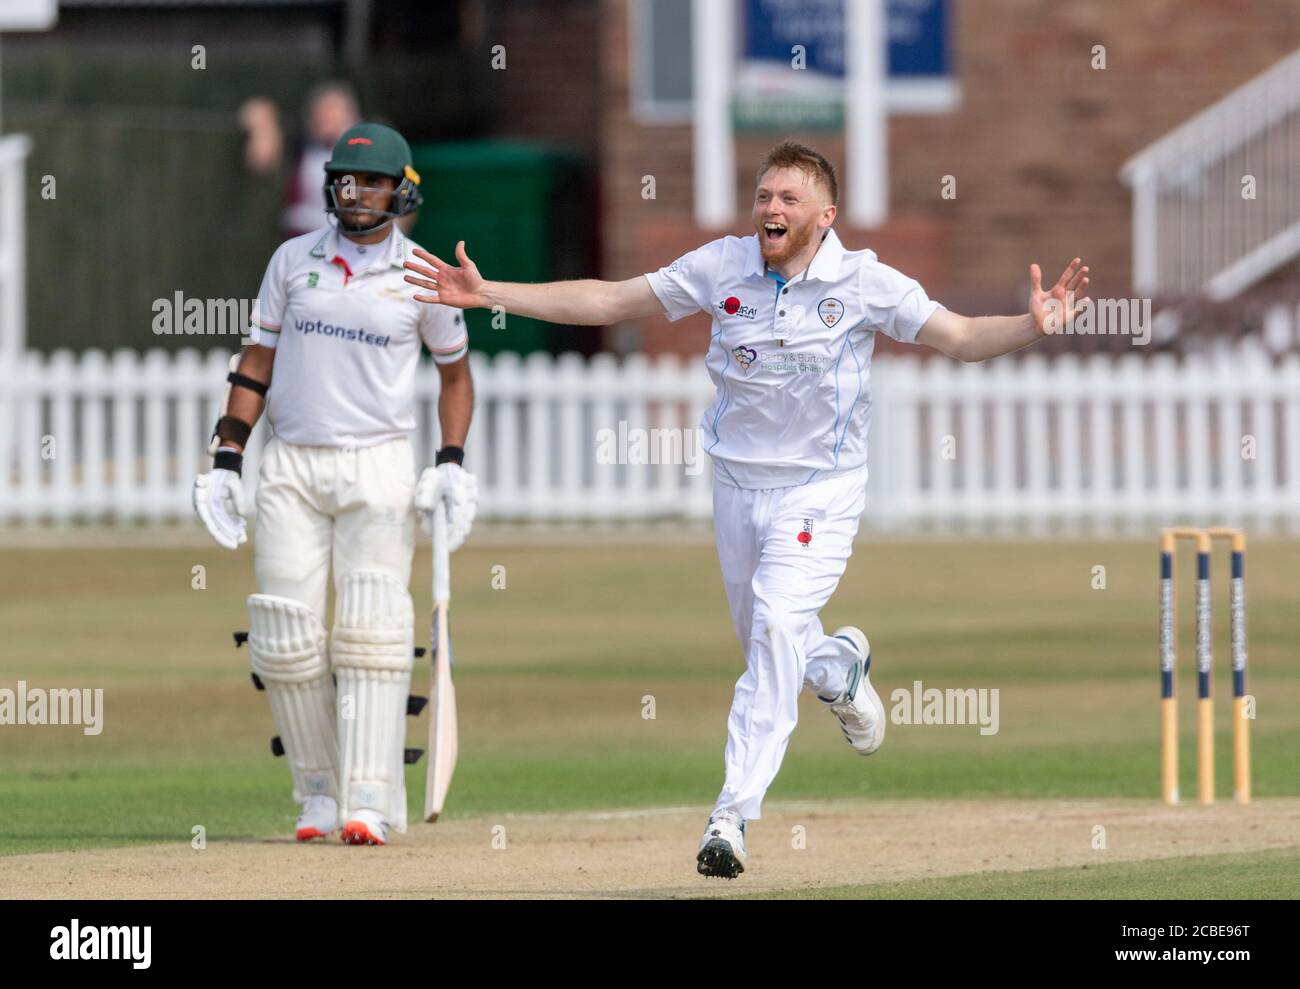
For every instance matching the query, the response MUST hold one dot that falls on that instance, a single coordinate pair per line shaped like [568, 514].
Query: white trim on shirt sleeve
[912, 312]
[272, 301]
[683, 287]
[896, 305]
[442, 329]
[677, 305]
[263, 336]
[451, 354]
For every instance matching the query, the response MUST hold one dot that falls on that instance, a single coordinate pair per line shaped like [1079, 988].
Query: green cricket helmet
[378, 149]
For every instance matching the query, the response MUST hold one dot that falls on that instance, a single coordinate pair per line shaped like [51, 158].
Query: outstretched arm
[586, 302]
[977, 338]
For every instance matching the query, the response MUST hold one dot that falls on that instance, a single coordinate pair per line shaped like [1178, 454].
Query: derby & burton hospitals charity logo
[745, 356]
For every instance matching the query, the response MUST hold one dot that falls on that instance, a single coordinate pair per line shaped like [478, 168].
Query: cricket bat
[442, 701]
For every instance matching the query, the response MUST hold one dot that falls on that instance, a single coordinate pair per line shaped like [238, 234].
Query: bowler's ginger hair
[792, 154]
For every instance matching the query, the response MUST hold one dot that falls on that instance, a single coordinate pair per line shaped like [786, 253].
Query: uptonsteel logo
[732, 306]
[307, 327]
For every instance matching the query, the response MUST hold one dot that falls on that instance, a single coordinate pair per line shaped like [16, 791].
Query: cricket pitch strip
[795, 848]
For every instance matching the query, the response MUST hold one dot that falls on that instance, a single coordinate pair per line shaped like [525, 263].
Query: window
[659, 37]
[659, 34]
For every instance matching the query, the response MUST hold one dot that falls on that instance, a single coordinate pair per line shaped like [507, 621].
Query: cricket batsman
[795, 318]
[337, 343]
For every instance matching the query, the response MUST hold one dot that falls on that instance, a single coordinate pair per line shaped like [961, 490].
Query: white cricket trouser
[783, 551]
[350, 510]
[317, 505]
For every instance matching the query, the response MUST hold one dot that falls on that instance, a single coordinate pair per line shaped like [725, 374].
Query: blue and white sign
[791, 67]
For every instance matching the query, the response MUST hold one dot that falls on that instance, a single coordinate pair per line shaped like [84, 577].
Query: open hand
[1053, 308]
[460, 288]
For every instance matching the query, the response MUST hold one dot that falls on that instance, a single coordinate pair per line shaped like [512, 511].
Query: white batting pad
[372, 648]
[286, 645]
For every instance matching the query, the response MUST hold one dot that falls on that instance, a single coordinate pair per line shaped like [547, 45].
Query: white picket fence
[1022, 444]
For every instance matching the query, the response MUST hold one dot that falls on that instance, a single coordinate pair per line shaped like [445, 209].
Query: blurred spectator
[264, 146]
[331, 109]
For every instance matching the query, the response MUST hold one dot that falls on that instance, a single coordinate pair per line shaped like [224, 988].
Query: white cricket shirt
[347, 342]
[791, 361]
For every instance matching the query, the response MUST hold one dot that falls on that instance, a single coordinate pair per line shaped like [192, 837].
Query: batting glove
[458, 489]
[218, 498]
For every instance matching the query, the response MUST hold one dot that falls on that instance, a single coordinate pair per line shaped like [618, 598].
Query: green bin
[502, 199]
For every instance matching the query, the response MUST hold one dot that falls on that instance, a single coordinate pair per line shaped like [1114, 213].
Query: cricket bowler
[795, 318]
[337, 340]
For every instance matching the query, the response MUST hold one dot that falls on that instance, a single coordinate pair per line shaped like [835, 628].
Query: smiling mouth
[773, 232]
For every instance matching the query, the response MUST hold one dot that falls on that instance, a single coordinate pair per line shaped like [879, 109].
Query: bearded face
[789, 206]
[362, 201]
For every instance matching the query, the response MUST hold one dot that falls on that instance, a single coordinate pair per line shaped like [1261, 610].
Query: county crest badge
[831, 311]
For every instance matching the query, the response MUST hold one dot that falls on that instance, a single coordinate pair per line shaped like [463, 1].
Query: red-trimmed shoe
[366, 827]
[319, 817]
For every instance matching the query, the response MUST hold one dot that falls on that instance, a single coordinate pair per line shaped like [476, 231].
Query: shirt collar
[394, 248]
[825, 265]
[754, 258]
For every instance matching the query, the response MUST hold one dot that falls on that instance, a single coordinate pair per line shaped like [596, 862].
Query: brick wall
[549, 91]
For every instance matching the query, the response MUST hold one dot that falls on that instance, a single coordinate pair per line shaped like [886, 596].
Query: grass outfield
[555, 671]
[1266, 875]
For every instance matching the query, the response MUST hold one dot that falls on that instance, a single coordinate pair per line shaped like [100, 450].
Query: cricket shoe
[319, 817]
[859, 710]
[722, 849]
[366, 827]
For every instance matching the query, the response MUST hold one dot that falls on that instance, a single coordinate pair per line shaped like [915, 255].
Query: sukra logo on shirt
[734, 307]
[805, 533]
[309, 326]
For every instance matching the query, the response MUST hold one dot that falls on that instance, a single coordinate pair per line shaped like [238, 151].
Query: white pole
[1145, 245]
[713, 50]
[866, 134]
[14, 149]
